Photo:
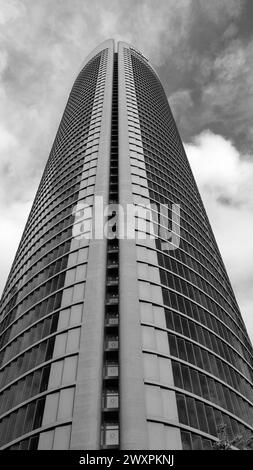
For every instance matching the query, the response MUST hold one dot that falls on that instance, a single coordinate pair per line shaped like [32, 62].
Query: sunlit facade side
[42, 304]
[120, 343]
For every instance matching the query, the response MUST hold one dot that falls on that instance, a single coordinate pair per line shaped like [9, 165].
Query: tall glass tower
[120, 342]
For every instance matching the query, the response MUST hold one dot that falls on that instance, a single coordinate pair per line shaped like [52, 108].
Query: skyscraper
[131, 342]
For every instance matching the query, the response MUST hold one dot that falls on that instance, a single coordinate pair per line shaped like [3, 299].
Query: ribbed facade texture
[120, 343]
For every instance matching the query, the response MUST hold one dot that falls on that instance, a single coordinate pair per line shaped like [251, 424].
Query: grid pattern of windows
[199, 415]
[187, 288]
[192, 441]
[41, 309]
[55, 439]
[160, 403]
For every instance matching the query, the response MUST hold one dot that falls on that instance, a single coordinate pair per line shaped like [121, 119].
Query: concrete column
[133, 427]
[88, 397]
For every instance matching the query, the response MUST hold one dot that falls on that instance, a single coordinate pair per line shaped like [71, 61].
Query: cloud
[10, 10]
[225, 181]
[182, 106]
[12, 222]
[230, 92]
[218, 11]
[221, 91]
[221, 171]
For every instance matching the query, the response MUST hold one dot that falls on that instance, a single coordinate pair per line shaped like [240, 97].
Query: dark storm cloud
[220, 97]
[210, 81]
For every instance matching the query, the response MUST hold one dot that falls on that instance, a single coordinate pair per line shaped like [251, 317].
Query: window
[186, 378]
[182, 411]
[211, 420]
[191, 408]
[73, 340]
[55, 374]
[66, 400]
[177, 374]
[51, 408]
[196, 442]
[181, 349]
[46, 440]
[69, 370]
[111, 435]
[201, 416]
[60, 344]
[173, 345]
[67, 296]
[78, 292]
[186, 440]
[62, 438]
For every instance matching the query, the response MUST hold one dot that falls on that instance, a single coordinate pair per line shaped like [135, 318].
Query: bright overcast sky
[203, 52]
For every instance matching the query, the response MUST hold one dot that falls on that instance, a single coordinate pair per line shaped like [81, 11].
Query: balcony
[111, 400]
[112, 281]
[112, 263]
[113, 248]
[113, 299]
[110, 435]
[112, 343]
[112, 320]
[111, 370]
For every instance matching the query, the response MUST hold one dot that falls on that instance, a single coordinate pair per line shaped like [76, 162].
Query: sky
[203, 53]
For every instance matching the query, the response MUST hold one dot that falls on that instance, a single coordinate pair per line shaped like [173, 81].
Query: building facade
[120, 342]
